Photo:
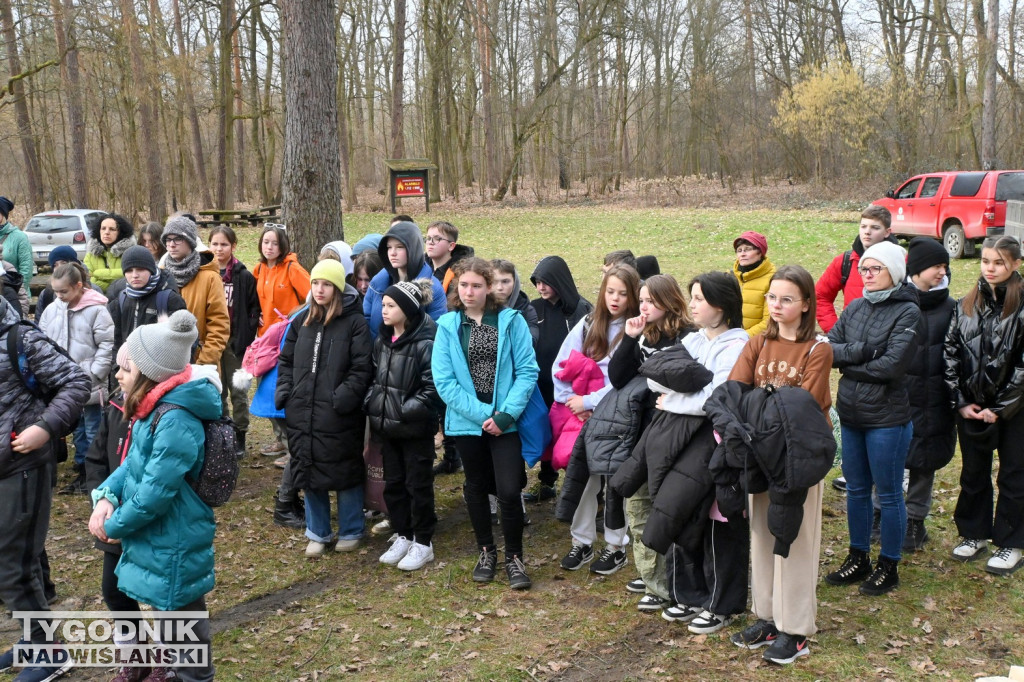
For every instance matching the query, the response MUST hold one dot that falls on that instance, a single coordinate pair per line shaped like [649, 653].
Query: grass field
[279, 616]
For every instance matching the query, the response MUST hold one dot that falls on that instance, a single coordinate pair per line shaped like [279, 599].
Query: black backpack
[847, 267]
[19, 359]
[219, 473]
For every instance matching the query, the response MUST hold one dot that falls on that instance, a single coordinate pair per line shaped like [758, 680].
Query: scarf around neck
[148, 288]
[879, 296]
[183, 271]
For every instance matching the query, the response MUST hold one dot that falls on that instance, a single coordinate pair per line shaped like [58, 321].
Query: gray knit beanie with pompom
[163, 349]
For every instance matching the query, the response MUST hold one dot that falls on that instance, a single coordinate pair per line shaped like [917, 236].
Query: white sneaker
[346, 545]
[969, 549]
[1005, 561]
[315, 549]
[381, 528]
[417, 557]
[398, 550]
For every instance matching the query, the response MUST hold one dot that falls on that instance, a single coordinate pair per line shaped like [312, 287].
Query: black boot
[240, 442]
[856, 567]
[885, 578]
[284, 514]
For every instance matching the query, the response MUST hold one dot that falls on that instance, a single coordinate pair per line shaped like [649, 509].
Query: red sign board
[409, 187]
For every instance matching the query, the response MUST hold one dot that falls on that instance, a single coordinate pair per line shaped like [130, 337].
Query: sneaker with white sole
[577, 557]
[417, 557]
[399, 548]
[315, 549]
[652, 602]
[1005, 561]
[756, 635]
[381, 528]
[636, 586]
[681, 613]
[610, 561]
[969, 549]
[346, 545]
[786, 649]
[708, 622]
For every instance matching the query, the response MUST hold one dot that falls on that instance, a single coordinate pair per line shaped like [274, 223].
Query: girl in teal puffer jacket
[165, 529]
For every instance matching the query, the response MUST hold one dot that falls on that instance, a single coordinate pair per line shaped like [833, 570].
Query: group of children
[652, 402]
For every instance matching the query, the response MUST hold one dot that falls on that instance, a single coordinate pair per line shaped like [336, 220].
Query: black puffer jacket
[872, 346]
[20, 409]
[984, 363]
[402, 402]
[775, 440]
[934, 427]
[554, 320]
[104, 455]
[323, 374]
[244, 307]
[606, 441]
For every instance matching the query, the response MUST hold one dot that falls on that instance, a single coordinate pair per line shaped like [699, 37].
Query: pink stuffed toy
[586, 377]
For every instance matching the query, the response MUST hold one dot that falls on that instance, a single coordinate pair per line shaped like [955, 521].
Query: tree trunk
[142, 91]
[29, 151]
[398, 84]
[76, 119]
[311, 180]
[225, 106]
[199, 157]
[988, 48]
[239, 122]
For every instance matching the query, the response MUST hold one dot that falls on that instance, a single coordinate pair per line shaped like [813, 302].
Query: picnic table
[250, 217]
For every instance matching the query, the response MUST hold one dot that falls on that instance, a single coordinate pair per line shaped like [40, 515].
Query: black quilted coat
[872, 392]
[20, 409]
[934, 427]
[984, 363]
[402, 402]
[323, 374]
[775, 440]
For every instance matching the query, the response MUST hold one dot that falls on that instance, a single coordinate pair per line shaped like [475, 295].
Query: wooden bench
[239, 218]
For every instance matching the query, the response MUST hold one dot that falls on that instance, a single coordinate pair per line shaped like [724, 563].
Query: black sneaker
[855, 568]
[285, 515]
[516, 572]
[448, 466]
[756, 635]
[76, 487]
[680, 613]
[539, 492]
[636, 586]
[577, 557]
[786, 649]
[707, 623]
[650, 603]
[885, 578]
[610, 561]
[486, 565]
[839, 483]
[916, 536]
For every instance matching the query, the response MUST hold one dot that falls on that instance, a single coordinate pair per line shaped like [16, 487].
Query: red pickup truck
[959, 207]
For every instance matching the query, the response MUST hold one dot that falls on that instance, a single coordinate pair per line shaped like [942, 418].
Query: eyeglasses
[784, 301]
[173, 239]
[434, 240]
[280, 226]
[747, 249]
[873, 270]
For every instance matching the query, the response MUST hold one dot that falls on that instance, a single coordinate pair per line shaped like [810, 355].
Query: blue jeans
[86, 430]
[350, 515]
[876, 457]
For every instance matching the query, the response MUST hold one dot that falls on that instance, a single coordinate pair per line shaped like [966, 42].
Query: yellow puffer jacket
[755, 285]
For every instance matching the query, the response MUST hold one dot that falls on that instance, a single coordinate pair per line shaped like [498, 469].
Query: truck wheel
[953, 239]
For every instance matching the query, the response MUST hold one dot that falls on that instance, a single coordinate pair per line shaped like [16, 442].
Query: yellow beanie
[330, 270]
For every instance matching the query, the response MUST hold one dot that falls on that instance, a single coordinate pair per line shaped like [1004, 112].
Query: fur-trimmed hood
[96, 247]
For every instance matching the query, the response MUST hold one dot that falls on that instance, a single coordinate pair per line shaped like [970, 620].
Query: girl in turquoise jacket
[485, 370]
[165, 530]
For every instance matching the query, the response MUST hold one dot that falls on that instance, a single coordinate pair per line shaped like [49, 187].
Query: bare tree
[398, 82]
[29, 151]
[311, 179]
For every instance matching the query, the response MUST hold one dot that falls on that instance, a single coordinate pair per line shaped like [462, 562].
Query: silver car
[55, 228]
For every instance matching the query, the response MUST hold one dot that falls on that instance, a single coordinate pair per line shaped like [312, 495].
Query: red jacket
[827, 289]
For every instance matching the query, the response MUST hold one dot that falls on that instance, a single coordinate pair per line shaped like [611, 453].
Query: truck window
[930, 187]
[908, 190]
[1010, 186]
[966, 184]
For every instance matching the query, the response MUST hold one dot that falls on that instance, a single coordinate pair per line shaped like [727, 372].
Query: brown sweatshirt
[779, 362]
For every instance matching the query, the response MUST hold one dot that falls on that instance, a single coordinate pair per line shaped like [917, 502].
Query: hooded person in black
[559, 308]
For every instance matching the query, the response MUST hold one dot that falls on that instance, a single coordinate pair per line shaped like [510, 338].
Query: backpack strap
[19, 360]
[159, 411]
[162, 297]
[847, 267]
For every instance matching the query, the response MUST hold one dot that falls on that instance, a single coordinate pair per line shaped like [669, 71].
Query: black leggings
[494, 466]
[115, 599]
[409, 486]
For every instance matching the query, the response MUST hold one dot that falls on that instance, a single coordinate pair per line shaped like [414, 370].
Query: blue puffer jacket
[410, 235]
[515, 374]
[166, 531]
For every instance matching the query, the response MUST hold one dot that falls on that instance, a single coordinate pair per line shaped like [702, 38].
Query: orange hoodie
[284, 287]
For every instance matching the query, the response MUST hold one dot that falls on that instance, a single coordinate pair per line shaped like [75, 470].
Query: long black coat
[872, 392]
[403, 402]
[984, 362]
[245, 309]
[323, 374]
[934, 427]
